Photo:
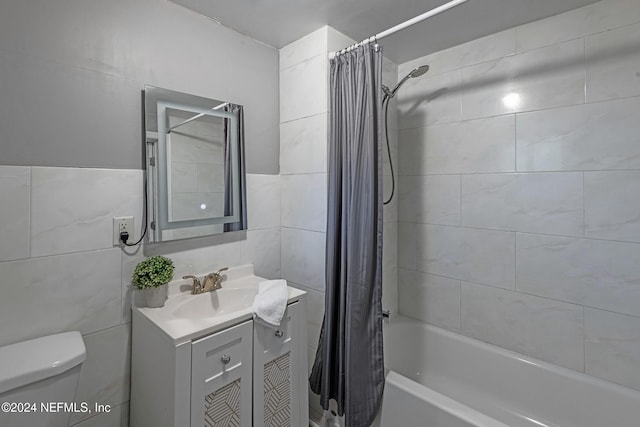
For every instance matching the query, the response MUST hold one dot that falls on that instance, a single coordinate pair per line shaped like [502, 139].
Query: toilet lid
[35, 360]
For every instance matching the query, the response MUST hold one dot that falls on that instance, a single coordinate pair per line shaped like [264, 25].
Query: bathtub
[440, 379]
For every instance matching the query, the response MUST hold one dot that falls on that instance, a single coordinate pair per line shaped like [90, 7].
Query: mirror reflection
[195, 165]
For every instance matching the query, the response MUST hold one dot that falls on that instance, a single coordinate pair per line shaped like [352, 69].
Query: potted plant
[152, 276]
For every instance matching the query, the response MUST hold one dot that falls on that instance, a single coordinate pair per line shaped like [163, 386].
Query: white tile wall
[42, 296]
[432, 299]
[105, 375]
[597, 136]
[543, 328]
[612, 206]
[15, 182]
[476, 146]
[304, 201]
[303, 145]
[595, 273]
[548, 256]
[613, 61]
[484, 256]
[72, 209]
[537, 203]
[299, 98]
[303, 254]
[612, 347]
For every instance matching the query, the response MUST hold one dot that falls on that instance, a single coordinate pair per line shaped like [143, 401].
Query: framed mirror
[196, 184]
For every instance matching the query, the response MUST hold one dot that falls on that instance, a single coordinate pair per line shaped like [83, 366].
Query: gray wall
[71, 75]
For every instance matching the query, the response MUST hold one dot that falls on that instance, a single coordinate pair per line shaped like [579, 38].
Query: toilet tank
[38, 381]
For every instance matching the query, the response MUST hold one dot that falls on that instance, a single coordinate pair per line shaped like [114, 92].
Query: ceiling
[280, 22]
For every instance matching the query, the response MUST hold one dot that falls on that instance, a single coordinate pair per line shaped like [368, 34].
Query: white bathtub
[441, 379]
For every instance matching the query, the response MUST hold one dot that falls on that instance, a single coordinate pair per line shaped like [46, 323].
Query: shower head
[416, 72]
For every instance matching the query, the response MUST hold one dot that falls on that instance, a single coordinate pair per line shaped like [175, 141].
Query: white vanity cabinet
[236, 372]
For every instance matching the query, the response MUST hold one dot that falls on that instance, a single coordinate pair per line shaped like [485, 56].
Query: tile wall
[60, 271]
[519, 164]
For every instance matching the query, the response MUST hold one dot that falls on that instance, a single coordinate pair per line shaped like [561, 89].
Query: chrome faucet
[212, 281]
[197, 287]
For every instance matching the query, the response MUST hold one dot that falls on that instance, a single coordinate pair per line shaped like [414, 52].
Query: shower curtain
[349, 363]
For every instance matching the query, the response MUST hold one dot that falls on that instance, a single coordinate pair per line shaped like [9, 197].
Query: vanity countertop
[185, 317]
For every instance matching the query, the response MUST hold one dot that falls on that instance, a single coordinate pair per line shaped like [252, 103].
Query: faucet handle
[196, 284]
[221, 270]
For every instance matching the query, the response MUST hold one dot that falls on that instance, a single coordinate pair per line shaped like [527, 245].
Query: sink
[212, 304]
[185, 316]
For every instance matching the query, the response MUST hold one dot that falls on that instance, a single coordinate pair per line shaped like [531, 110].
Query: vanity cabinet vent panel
[221, 378]
[277, 392]
[222, 407]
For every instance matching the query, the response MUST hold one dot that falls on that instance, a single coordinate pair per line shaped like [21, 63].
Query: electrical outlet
[122, 224]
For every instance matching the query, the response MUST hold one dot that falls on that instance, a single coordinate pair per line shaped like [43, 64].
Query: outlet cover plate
[120, 224]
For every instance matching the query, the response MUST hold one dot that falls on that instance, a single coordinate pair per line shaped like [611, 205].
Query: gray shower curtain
[349, 363]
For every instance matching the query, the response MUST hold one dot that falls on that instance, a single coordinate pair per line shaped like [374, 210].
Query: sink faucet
[197, 287]
[212, 281]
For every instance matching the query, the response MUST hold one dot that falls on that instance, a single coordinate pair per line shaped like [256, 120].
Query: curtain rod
[404, 25]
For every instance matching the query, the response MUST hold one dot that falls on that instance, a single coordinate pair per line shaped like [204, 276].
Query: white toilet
[40, 376]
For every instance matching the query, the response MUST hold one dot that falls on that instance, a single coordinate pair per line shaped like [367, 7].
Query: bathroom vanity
[201, 360]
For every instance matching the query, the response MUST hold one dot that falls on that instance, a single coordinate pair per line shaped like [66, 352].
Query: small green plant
[153, 272]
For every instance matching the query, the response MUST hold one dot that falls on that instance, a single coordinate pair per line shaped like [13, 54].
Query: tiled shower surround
[519, 212]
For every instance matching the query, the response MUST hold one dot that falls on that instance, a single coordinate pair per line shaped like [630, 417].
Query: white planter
[156, 296]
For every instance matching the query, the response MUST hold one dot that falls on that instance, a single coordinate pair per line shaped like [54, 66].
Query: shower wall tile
[262, 249]
[484, 256]
[303, 89]
[105, 375]
[315, 315]
[313, 44]
[432, 299]
[303, 145]
[612, 206]
[595, 273]
[613, 64]
[431, 199]
[72, 209]
[594, 18]
[60, 293]
[263, 201]
[550, 203]
[474, 52]
[596, 136]
[303, 255]
[15, 187]
[407, 245]
[304, 201]
[390, 266]
[612, 347]
[476, 146]
[430, 100]
[544, 78]
[545, 329]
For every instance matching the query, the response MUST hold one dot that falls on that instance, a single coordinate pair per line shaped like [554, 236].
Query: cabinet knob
[225, 359]
[279, 334]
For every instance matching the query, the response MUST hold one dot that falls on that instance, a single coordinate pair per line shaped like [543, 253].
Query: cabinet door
[221, 379]
[276, 361]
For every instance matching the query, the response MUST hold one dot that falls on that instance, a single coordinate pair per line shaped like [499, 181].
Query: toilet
[38, 381]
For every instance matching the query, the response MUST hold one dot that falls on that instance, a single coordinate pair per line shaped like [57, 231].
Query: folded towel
[271, 302]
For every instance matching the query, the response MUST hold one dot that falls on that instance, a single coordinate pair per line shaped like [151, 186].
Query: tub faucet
[212, 281]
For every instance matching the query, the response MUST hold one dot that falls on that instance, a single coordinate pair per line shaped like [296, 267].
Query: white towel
[271, 302]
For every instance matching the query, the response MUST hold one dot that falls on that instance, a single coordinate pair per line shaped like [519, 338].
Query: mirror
[195, 166]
